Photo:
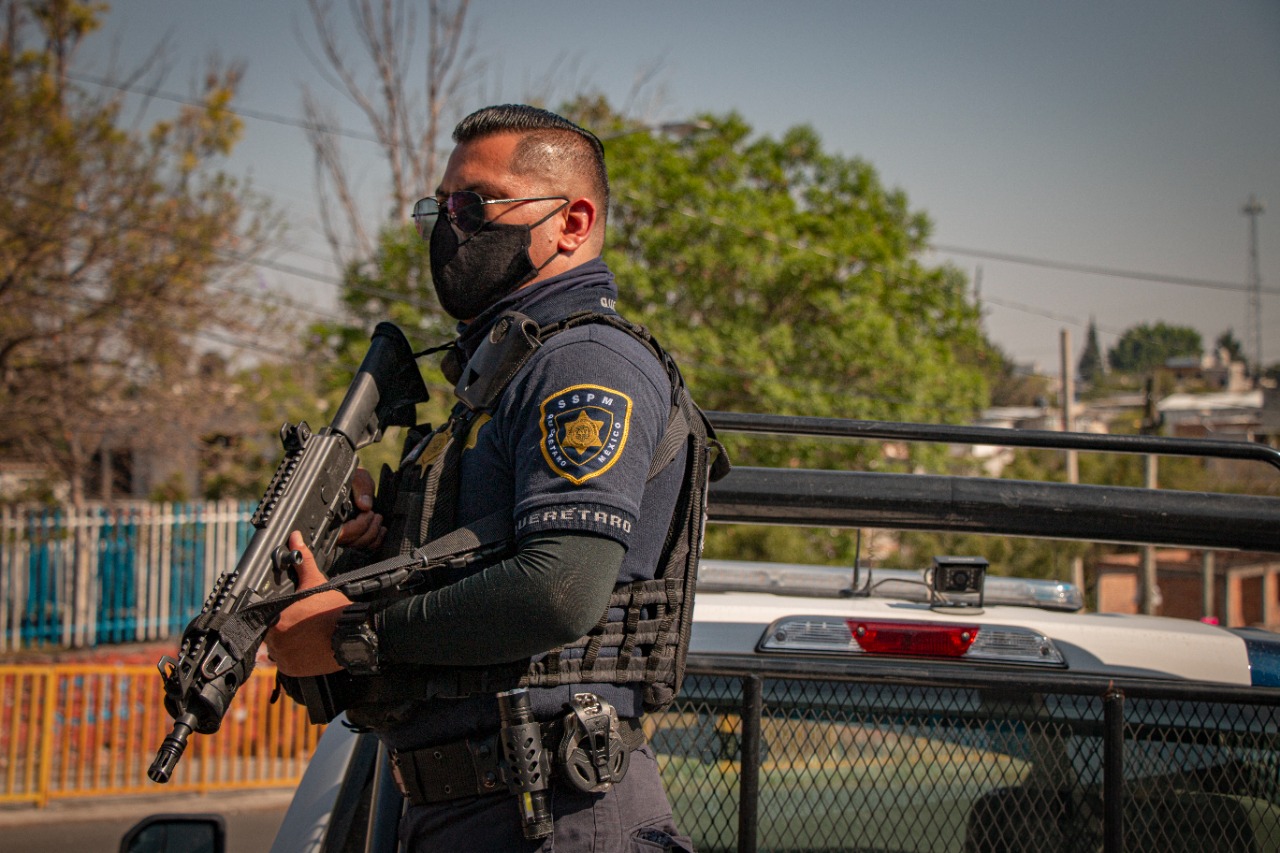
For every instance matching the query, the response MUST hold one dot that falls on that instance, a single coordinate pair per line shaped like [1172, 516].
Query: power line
[1045, 263]
[1048, 314]
[131, 314]
[279, 302]
[1159, 278]
[260, 115]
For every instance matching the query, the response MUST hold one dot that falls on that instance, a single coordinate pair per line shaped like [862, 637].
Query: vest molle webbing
[644, 634]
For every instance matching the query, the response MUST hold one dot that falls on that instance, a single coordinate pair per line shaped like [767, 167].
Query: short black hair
[550, 144]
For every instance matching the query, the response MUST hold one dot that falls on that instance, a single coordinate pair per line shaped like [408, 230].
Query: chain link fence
[983, 764]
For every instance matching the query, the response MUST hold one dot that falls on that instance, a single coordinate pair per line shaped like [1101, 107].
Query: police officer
[566, 452]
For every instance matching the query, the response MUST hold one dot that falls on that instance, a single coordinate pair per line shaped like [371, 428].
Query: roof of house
[1220, 401]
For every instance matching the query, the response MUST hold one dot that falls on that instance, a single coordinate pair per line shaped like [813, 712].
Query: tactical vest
[647, 643]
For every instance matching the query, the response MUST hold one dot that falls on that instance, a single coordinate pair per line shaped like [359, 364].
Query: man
[564, 451]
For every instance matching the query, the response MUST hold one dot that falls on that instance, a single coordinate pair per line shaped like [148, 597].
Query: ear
[579, 222]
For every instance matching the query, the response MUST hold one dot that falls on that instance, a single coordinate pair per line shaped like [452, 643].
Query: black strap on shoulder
[511, 341]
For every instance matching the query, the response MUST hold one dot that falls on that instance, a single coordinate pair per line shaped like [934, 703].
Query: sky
[1083, 159]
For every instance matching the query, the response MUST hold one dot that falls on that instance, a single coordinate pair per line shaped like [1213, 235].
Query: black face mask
[473, 274]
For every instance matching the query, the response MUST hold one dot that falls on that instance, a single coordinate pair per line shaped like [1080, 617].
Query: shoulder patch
[584, 430]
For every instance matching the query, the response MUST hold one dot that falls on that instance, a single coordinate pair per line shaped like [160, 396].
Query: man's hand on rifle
[366, 529]
[299, 641]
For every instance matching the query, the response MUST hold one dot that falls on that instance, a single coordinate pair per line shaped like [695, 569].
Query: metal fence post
[48, 708]
[1113, 772]
[749, 780]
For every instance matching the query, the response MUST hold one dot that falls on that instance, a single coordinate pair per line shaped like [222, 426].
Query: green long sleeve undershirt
[551, 592]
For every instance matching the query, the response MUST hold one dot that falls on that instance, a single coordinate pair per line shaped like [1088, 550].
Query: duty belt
[470, 767]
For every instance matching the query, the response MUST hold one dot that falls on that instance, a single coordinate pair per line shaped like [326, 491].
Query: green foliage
[395, 284]
[1147, 347]
[786, 279]
[1012, 556]
[239, 463]
[1009, 386]
[1090, 366]
[1024, 557]
[1229, 342]
[1016, 556]
[817, 546]
[309, 389]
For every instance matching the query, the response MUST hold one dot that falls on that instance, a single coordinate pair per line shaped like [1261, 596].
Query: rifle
[311, 493]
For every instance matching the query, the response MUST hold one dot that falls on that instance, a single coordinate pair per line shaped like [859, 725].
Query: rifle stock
[311, 493]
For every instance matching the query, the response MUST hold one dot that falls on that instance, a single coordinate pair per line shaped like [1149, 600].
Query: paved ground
[96, 825]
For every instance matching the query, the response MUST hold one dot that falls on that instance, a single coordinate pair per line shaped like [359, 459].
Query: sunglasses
[465, 209]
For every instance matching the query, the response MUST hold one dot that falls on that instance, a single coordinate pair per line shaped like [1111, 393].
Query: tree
[1146, 347]
[117, 251]
[1229, 342]
[1090, 367]
[787, 279]
[405, 128]
[1008, 384]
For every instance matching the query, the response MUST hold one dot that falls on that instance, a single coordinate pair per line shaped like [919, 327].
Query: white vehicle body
[733, 621]
[1104, 644]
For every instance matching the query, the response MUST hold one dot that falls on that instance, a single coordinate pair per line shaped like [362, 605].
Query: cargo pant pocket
[652, 839]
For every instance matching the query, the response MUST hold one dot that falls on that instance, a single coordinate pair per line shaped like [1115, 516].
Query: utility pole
[1068, 425]
[1252, 209]
[1149, 598]
[1068, 399]
[1149, 583]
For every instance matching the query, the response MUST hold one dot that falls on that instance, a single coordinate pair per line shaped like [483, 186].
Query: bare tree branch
[406, 125]
[331, 183]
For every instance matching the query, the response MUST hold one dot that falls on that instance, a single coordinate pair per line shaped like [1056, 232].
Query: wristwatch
[355, 643]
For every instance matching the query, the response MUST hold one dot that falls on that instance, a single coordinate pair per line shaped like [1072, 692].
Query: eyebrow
[483, 190]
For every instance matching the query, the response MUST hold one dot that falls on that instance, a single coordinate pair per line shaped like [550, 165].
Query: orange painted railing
[80, 731]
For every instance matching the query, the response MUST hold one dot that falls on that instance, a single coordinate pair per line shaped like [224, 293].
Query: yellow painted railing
[80, 731]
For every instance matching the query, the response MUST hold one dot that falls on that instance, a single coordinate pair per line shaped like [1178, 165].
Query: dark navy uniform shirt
[567, 448]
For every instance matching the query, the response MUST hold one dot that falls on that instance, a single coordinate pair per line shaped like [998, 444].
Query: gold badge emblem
[584, 430]
[582, 434]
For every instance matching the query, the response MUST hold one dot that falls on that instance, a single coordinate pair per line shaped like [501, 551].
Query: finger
[362, 489]
[372, 534]
[362, 531]
[309, 574]
[356, 527]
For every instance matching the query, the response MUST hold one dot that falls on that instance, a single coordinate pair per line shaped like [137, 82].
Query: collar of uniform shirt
[589, 287]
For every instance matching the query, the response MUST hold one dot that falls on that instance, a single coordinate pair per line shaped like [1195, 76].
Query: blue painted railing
[112, 573]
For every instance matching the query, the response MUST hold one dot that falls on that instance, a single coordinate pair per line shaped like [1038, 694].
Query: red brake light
[920, 640]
